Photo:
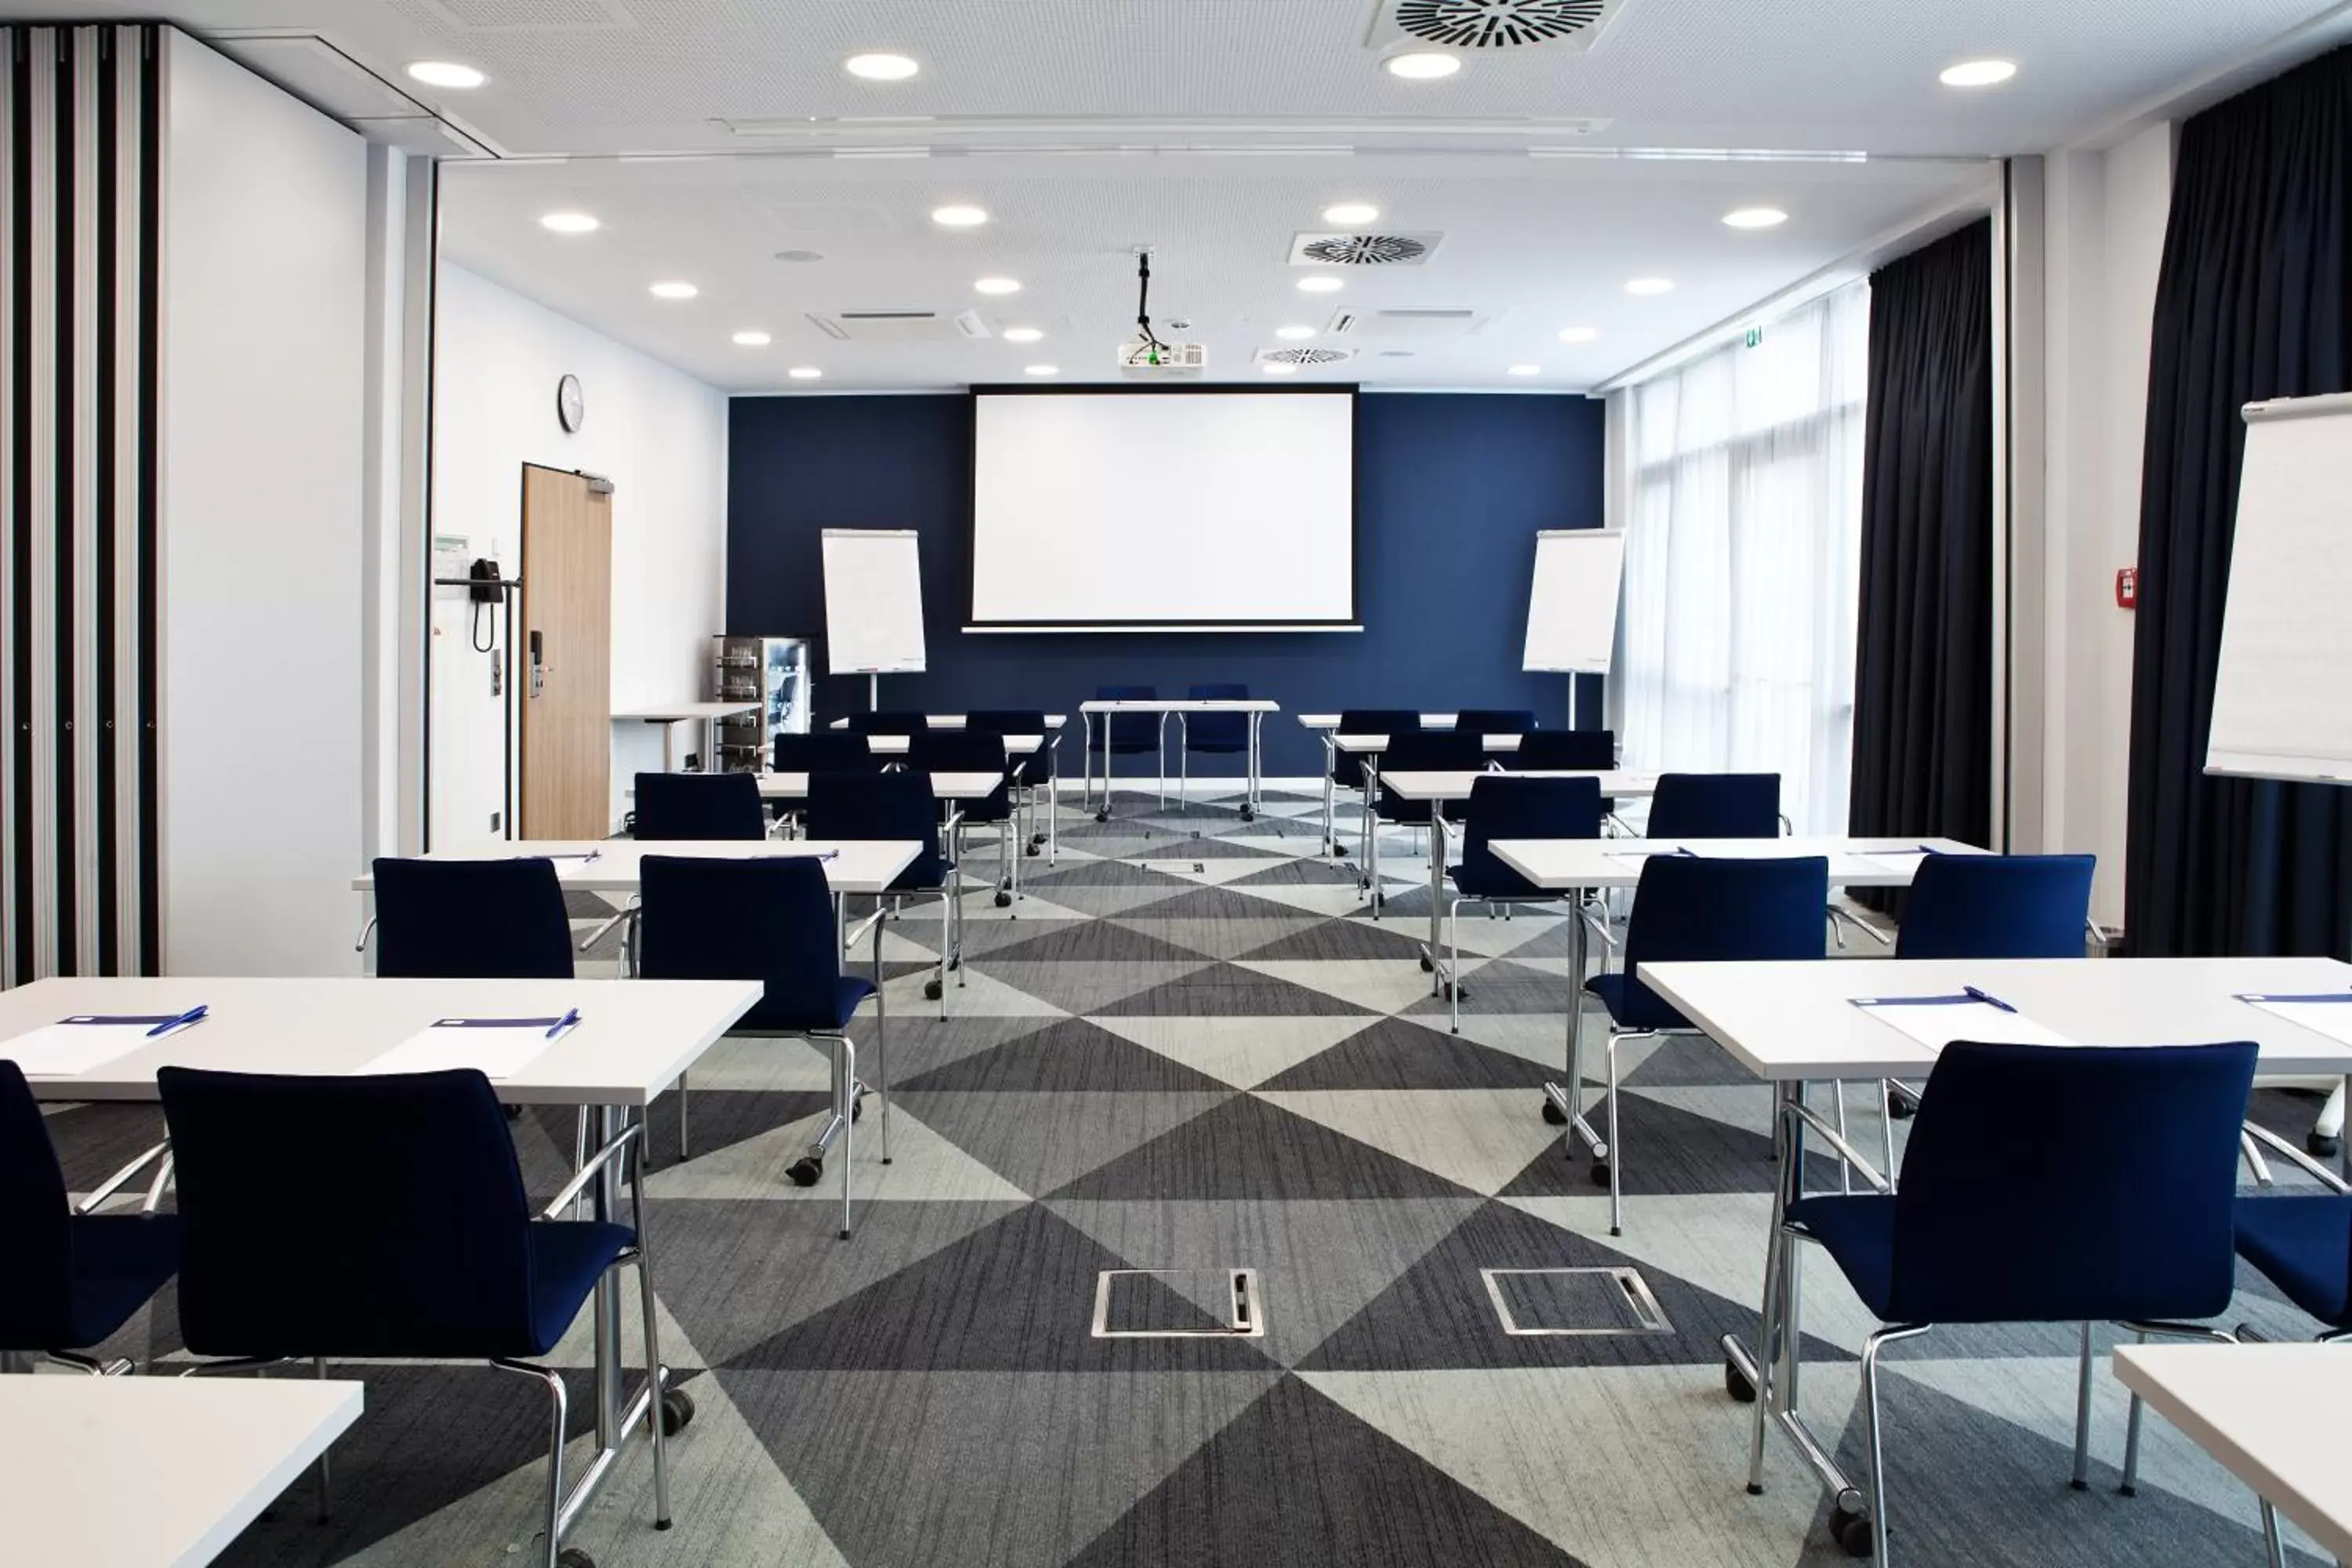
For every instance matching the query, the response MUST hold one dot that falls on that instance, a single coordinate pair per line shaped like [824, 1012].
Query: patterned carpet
[1189, 1048]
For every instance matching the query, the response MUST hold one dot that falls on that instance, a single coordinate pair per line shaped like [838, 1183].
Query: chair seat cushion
[567, 1258]
[1495, 881]
[793, 1015]
[120, 1262]
[1858, 1232]
[924, 874]
[1634, 1006]
[2303, 1245]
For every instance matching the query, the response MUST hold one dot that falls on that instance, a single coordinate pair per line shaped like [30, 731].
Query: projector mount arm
[1143, 300]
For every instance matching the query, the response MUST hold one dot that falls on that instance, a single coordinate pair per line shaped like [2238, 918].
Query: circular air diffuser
[1363, 249]
[1496, 24]
[1303, 356]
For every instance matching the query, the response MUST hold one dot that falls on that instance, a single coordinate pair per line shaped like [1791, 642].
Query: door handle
[537, 663]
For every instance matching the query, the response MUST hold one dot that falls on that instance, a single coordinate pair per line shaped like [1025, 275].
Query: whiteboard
[873, 602]
[2283, 694]
[1573, 608]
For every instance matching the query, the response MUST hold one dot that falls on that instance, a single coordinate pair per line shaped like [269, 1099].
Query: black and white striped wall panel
[80, 112]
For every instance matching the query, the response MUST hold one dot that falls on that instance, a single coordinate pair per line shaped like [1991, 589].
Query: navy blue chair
[889, 721]
[438, 1256]
[772, 919]
[2121, 1213]
[968, 751]
[1210, 734]
[1034, 779]
[823, 751]
[1564, 751]
[1690, 909]
[1494, 722]
[674, 807]
[1131, 742]
[1997, 906]
[471, 920]
[75, 1277]
[1348, 767]
[1714, 805]
[1424, 751]
[899, 805]
[1502, 806]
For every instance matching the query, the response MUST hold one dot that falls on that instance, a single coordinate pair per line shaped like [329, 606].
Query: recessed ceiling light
[1977, 73]
[804, 373]
[958, 216]
[1579, 334]
[1424, 65]
[1350, 212]
[998, 286]
[1651, 286]
[1755, 217]
[570, 222]
[445, 73]
[1022, 334]
[1319, 283]
[753, 340]
[880, 67]
[799, 255]
[1527, 370]
[674, 288]
[1043, 370]
[1294, 334]
[1278, 368]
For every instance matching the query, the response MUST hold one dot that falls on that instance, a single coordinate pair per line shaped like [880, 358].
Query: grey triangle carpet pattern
[1190, 1049]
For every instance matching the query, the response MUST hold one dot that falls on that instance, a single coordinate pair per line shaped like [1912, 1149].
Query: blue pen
[195, 1015]
[1988, 998]
[564, 1023]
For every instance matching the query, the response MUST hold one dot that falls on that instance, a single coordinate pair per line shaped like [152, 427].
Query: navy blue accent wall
[1450, 490]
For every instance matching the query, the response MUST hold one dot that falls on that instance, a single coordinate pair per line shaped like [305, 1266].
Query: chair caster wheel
[1004, 899]
[1736, 1384]
[1553, 1114]
[1428, 966]
[857, 1110]
[1033, 851]
[514, 1112]
[676, 1411]
[806, 1171]
[2325, 1147]
[1248, 815]
[931, 992]
[1852, 1533]
[572, 1557]
[1898, 1107]
[1599, 1173]
[1102, 817]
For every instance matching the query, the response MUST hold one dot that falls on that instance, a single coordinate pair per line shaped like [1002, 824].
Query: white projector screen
[1155, 511]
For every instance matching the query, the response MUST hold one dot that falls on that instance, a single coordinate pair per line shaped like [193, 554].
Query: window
[1743, 517]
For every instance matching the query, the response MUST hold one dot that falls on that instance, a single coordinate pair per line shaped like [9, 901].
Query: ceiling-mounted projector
[1145, 356]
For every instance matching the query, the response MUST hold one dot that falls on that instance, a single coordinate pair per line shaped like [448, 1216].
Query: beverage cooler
[774, 672]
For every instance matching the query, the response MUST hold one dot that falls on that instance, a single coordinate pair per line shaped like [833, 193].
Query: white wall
[2107, 211]
[658, 435]
[264, 226]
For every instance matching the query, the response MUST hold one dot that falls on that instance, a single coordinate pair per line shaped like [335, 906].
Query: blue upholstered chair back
[1505, 806]
[1494, 722]
[471, 920]
[880, 805]
[889, 721]
[965, 752]
[1698, 908]
[2065, 1183]
[344, 1216]
[1217, 733]
[672, 806]
[825, 752]
[35, 1233]
[1346, 767]
[1426, 751]
[768, 919]
[1563, 749]
[1003, 721]
[1997, 906]
[1716, 805]
[1135, 731]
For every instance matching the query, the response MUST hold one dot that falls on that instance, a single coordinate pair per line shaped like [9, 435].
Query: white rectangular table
[2272, 1415]
[1255, 708]
[668, 717]
[153, 1472]
[1792, 1024]
[1442, 786]
[854, 865]
[1024, 746]
[634, 1039]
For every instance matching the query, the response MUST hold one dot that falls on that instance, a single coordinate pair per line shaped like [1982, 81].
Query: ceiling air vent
[1409, 323]
[1302, 356]
[891, 326]
[1485, 24]
[1361, 249]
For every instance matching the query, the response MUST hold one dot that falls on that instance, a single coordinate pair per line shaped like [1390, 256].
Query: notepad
[71, 1046]
[500, 1047]
[1935, 1020]
[2328, 1013]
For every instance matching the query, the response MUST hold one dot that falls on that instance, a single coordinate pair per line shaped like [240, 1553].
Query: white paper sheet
[66, 1049]
[2333, 1019]
[1903, 863]
[1937, 1023]
[499, 1049]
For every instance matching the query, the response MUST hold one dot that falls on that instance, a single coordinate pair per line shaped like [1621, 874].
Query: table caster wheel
[1599, 1173]
[1852, 1533]
[931, 992]
[1034, 851]
[1004, 899]
[676, 1411]
[1553, 1114]
[1736, 1384]
[2326, 1147]
[1898, 1107]
[857, 1109]
[572, 1557]
[1248, 815]
[806, 1171]
[1102, 817]
[1427, 966]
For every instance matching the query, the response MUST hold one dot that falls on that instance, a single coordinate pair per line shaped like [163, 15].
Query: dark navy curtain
[1922, 660]
[2252, 304]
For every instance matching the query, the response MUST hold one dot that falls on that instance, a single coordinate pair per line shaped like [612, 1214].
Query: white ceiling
[755, 123]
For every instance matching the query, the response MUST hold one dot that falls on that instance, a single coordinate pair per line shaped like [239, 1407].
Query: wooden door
[565, 653]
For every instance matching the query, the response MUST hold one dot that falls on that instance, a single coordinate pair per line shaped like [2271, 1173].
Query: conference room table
[1324, 727]
[1015, 746]
[633, 1039]
[671, 716]
[947, 787]
[1106, 709]
[1792, 1024]
[1439, 786]
[154, 1472]
[2272, 1415]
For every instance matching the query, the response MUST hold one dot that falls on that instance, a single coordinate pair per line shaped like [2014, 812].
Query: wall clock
[570, 407]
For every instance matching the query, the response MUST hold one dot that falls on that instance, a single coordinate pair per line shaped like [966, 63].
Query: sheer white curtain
[1742, 489]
